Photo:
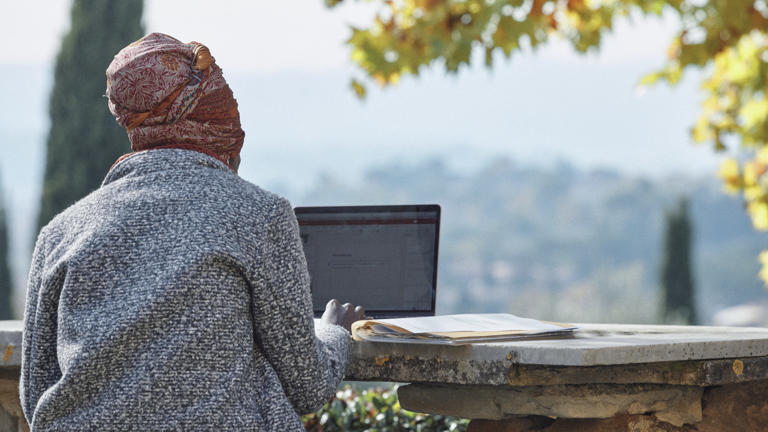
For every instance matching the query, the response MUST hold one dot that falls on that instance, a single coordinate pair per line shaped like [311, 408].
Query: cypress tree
[6, 288]
[676, 276]
[84, 139]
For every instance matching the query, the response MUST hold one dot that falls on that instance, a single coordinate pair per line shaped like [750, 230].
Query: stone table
[606, 378]
[11, 417]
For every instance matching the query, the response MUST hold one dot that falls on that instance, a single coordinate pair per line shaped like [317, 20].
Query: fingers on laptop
[359, 311]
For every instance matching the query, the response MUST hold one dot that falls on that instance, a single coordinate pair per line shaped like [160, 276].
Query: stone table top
[612, 353]
[710, 355]
[10, 343]
[601, 344]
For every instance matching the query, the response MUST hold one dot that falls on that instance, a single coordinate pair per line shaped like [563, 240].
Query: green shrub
[375, 410]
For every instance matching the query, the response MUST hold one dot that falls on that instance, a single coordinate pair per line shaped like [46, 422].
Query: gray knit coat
[174, 298]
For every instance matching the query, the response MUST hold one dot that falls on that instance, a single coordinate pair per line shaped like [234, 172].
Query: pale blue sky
[288, 66]
[289, 69]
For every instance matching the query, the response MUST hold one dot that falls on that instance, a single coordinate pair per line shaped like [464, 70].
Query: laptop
[381, 257]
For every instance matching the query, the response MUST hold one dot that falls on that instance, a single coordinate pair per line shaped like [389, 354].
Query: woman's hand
[342, 314]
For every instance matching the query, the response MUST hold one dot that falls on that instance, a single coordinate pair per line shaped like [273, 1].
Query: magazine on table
[458, 329]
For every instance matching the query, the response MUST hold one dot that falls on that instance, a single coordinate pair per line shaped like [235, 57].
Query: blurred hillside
[299, 123]
[557, 243]
[561, 243]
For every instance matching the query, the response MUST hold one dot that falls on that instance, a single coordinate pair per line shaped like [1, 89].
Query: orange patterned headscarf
[168, 94]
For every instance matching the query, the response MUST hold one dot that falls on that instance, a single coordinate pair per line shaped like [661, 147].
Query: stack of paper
[458, 329]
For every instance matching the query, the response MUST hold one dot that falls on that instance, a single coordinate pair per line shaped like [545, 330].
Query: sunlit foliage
[375, 410]
[727, 38]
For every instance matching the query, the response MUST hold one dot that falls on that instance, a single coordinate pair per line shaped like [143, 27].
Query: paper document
[458, 329]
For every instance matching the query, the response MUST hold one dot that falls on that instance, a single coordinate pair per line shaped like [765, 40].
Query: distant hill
[562, 243]
[557, 243]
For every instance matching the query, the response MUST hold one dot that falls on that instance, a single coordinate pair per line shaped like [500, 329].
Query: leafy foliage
[375, 410]
[6, 290]
[84, 139]
[676, 279]
[728, 38]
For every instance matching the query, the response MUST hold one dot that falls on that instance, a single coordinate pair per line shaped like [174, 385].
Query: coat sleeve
[309, 361]
[39, 364]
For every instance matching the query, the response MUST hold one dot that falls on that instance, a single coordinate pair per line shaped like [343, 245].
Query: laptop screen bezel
[319, 309]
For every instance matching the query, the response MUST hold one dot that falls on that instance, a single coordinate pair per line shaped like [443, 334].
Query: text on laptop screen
[382, 260]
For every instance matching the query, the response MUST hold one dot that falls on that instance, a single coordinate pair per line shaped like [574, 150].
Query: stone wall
[11, 416]
[727, 408]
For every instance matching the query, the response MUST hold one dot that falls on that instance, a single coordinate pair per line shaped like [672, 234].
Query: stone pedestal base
[676, 405]
[728, 408]
[11, 416]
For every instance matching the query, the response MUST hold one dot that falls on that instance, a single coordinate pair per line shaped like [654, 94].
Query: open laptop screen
[381, 257]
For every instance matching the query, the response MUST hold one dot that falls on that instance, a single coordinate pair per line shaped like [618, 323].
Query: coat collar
[148, 161]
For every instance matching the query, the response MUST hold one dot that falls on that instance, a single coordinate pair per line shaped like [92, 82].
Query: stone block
[702, 373]
[621, 423]
[676, 405]
[11, 415]
[728, 408]
[735, 407]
